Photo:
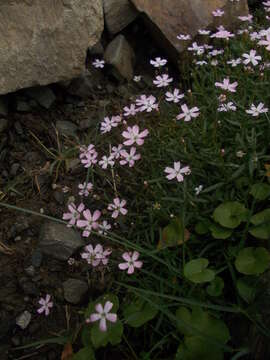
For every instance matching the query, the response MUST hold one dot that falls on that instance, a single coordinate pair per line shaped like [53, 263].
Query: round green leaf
[219, 232]
[86, 353]
[139, 312]
[215, 288]
[197, 272]
[246, 287]
[252, 261]
[261, 222]
[260, 191]
[230, 214]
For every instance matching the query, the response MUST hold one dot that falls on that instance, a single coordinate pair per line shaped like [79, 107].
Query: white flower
[175, 96]
[158, 62]
[257, 110]
[162, 80]
[198, 189]
[137, 78]
[251, 58]
[183, 37]
[106, 161]
[98, 63]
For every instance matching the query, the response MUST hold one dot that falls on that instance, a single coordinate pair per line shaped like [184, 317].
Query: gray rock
[3, 107]
[58, 240]
[23, 320]
[14, 169]
[118, 14]
[18, 128]
[121, 56]
[97, 49]
[22, 106]
[81, 86]
[28, 287]
[66, 128]
[74, 290]
[51, 39]
[43, 95]
[30, 270]
[3, 125]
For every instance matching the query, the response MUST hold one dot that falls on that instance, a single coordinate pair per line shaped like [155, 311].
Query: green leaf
[252, 261]
[260, 191]
[202, 227]
[219, 232]
[197, 272]
[139, 312]
[114, 331]
[230, 214]
[213, 332]
[173, 234]
[86, 353]
[216, 287]
[261, 220]
[246, 287]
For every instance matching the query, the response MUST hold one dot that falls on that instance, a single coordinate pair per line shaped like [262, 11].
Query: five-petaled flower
[177, 172]
[175, 96]
[129, 158]
[251, 58]
[257, 110]
[98, 63]
[131, 263]
[226, 85]
[74, 215]
[187, 113]
[133, 135]
[46, 304]
[95, 256]
[162, 80]
[117, 207]
[103, 315]
[158, 62]
[90, 221]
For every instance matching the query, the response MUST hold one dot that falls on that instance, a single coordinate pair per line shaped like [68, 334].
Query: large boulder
[118, 14]
[44, 42]
[168, 18]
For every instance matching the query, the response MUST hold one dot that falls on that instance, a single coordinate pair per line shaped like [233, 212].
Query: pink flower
[225, 85]
[187, 113]
[90, 159]
[218, 13]
[251, 58]
[246, 18]
[116, 150]
[118, 207]
[90, 221]
[46, 304]
[103, 315]
[266, 42]
[222, 34]
[129, 158]
[74, 214]
[175, 96]
[85, 151]
[130, 111]
[146, 103]
[95, 256]
[106, 161]
[162, 80]
[227, 107]
[85, 189]
[257, 110]
[158, 62]
[131, 262]
[133, 135]
[177, 172]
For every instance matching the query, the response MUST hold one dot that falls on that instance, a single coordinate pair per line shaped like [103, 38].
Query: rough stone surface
[74, 290]
[81, 86]
[42, 42]
[3, 125]
[121, 56]
[118, 14]
[168, 18]
[58, 240]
